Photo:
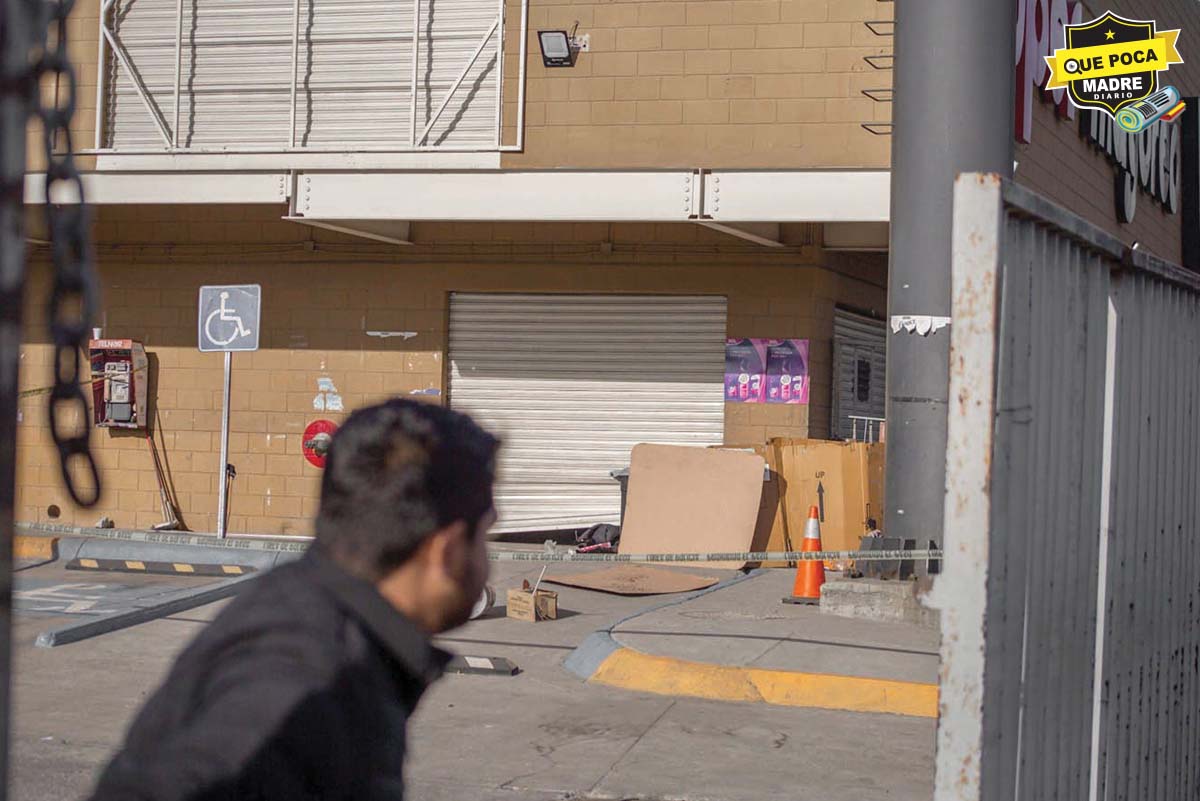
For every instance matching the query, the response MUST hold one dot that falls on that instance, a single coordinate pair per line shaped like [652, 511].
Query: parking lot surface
[542, 734]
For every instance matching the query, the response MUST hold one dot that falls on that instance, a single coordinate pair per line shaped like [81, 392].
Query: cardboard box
[521, 605]
[844, 479]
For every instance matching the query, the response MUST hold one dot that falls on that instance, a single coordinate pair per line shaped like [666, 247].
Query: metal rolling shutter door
[573, 382]
[857, 338]
[352, 78]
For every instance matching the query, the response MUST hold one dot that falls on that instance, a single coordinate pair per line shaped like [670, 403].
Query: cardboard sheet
[635, 580]
[691, 500]
[769, 533]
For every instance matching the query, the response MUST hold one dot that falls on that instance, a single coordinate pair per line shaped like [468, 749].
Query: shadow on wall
[157, 306]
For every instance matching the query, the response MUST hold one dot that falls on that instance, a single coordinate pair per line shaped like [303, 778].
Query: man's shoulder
[283, 608]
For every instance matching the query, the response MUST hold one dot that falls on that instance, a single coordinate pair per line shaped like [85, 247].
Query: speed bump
[482, 665]
[158, 568]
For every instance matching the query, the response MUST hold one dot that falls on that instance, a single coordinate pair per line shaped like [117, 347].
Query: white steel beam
[514, 196]
[101, 74]
[797, 196]
[143, 93]
[412, 95]
[297, 160]
[871, 237]
[462, 76]
[500, 75]
[295, 69]
[154, 188]
[393, 233]
[521, 77]
[178, 68]
[455, 188]
[765, 234]
[741, 197]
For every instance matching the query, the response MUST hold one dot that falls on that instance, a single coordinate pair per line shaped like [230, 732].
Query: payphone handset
[119, 376]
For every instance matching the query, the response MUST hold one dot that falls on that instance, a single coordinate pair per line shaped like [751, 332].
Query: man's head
[406, 502]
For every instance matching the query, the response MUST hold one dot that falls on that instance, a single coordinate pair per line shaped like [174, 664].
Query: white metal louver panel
[860, 369]
[353, 74]
[572, 382]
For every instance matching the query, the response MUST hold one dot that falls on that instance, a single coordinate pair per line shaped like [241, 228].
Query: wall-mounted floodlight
[556, 49]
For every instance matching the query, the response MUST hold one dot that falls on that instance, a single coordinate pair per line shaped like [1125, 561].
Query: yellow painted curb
[662, 675]
[26, 547]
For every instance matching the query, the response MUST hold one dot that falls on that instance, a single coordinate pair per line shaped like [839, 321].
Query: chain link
[72, 302]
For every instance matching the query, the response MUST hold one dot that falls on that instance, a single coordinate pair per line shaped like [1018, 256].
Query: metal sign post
[228, 321]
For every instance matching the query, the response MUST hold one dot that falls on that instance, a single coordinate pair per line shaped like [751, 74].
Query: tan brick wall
[83, 32]
[703, 83]
[322, 291]
[711, 83]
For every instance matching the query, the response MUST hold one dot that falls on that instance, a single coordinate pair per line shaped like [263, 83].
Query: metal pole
[950, 55]
[295, 67]
[416, 39]
[178, 68]
[16, 37]
[223, 497]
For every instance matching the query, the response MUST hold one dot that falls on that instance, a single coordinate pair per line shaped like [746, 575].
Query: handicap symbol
[224, 314]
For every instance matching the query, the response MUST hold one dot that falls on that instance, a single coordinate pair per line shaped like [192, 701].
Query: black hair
[395, 473]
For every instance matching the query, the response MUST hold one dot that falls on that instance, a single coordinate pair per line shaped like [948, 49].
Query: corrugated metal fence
[1071, 597]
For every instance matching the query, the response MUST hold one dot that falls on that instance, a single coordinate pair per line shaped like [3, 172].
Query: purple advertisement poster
[787, 370]
[745, 370]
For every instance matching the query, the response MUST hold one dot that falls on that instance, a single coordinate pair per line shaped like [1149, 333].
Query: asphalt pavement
[542, 734]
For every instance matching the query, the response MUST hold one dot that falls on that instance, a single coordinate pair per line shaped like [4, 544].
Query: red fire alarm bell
[316, 441]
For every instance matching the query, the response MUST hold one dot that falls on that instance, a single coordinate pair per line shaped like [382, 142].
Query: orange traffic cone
[810, 574]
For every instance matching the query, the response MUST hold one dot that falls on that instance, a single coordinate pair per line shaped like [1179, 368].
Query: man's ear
[446, 548]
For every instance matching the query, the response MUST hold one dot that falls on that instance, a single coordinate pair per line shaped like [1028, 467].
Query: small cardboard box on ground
[521, 605]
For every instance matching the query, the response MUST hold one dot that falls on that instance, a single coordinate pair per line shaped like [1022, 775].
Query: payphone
[119, 373]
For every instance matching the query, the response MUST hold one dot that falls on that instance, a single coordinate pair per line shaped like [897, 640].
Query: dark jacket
[300, 689]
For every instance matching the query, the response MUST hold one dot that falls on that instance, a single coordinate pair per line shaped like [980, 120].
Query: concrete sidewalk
[739, 642]
[746, 625]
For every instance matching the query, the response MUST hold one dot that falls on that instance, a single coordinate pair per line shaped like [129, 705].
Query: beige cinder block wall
[695, 83]
[83, 39]
[704, 83]
[322, 291]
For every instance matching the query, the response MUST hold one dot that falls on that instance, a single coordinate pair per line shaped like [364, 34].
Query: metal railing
[1070, 599]
[109, 41]
[867, 429]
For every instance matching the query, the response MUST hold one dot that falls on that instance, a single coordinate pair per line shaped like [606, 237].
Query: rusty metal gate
[1071, 595]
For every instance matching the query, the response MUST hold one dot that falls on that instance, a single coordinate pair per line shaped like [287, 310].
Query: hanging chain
[72, 303]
